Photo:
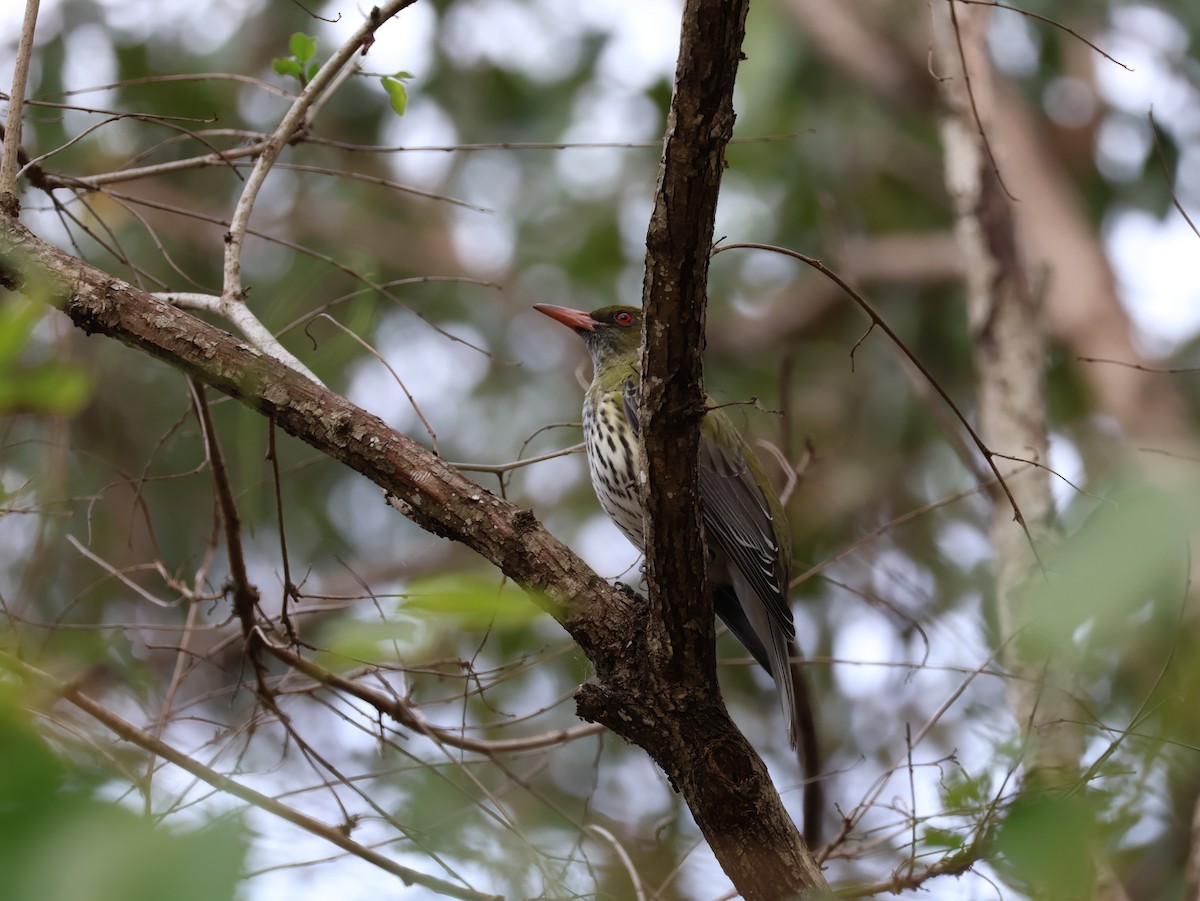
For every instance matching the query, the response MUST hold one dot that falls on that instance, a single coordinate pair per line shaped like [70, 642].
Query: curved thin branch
[292, 120]
[877, 320]
[408, 716]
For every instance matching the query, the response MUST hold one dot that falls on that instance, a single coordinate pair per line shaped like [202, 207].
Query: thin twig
[290, 591]
[878, 320]
[1058, 475]
[1032, 15]
[118, 574]
[232, 292]
[245, 594]
[186, 76]
[379, 287]
[1159, 370]
[517, 464]
[16, 103]
[887, 526]
[399, 381]
[407, 716]
[912, 795]
[1162, 161]
[852, 820]
[639, 893]
[987, 144]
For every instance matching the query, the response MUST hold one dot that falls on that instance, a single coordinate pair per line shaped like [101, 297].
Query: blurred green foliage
[43, 387]
[60, 839]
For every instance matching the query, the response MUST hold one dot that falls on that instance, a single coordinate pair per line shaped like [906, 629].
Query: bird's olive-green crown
[616, 336]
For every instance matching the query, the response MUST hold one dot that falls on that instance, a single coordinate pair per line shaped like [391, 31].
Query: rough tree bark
[681, 638]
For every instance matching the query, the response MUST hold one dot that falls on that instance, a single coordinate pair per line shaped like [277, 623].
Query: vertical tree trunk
[1009, 344]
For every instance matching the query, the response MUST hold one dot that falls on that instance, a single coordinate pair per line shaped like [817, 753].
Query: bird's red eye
[623, 318]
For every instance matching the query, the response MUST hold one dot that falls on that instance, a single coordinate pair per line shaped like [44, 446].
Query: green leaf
[943, 838]
[285, 66]
[302, 46]
[312, 70]
[472, 601]
[17, 319]
[397, 94]
[1130, 552]
[47, 804]
[962, 792]
[1048, 842]
[59, 388]
[47, 387]
[356, 642]
[29, 770]
[119, 856]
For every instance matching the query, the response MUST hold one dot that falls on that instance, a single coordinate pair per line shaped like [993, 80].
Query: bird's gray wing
[629, 397]
[750, 583]
[738, 523]
[737, 520]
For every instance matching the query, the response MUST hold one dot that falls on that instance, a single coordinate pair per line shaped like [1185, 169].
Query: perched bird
[744, 524]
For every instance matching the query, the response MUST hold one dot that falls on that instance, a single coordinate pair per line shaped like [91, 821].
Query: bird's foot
[629, 591]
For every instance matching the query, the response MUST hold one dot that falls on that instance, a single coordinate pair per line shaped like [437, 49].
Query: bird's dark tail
[808, 748]
[803, 717]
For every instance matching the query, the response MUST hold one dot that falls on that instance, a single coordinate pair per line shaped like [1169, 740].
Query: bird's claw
[628, 590]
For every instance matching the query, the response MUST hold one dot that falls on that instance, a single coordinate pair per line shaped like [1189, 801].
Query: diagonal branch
[717, 772]
[232, 304]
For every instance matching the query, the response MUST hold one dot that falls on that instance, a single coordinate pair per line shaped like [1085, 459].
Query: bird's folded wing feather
[736, 515]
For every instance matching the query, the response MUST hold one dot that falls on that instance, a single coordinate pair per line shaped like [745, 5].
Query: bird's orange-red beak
[576, 319]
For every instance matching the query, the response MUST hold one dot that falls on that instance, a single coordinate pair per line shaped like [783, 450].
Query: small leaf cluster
[300, 64]
[396, 91]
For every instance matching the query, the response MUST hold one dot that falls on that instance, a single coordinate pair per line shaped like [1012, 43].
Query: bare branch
[1049, 21]
[291, 122]
[329, 76]
[245, 322]
[16, 108]
[409, 717]
[878, 321]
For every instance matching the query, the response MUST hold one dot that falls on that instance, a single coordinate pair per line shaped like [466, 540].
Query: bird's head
[613, 335]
